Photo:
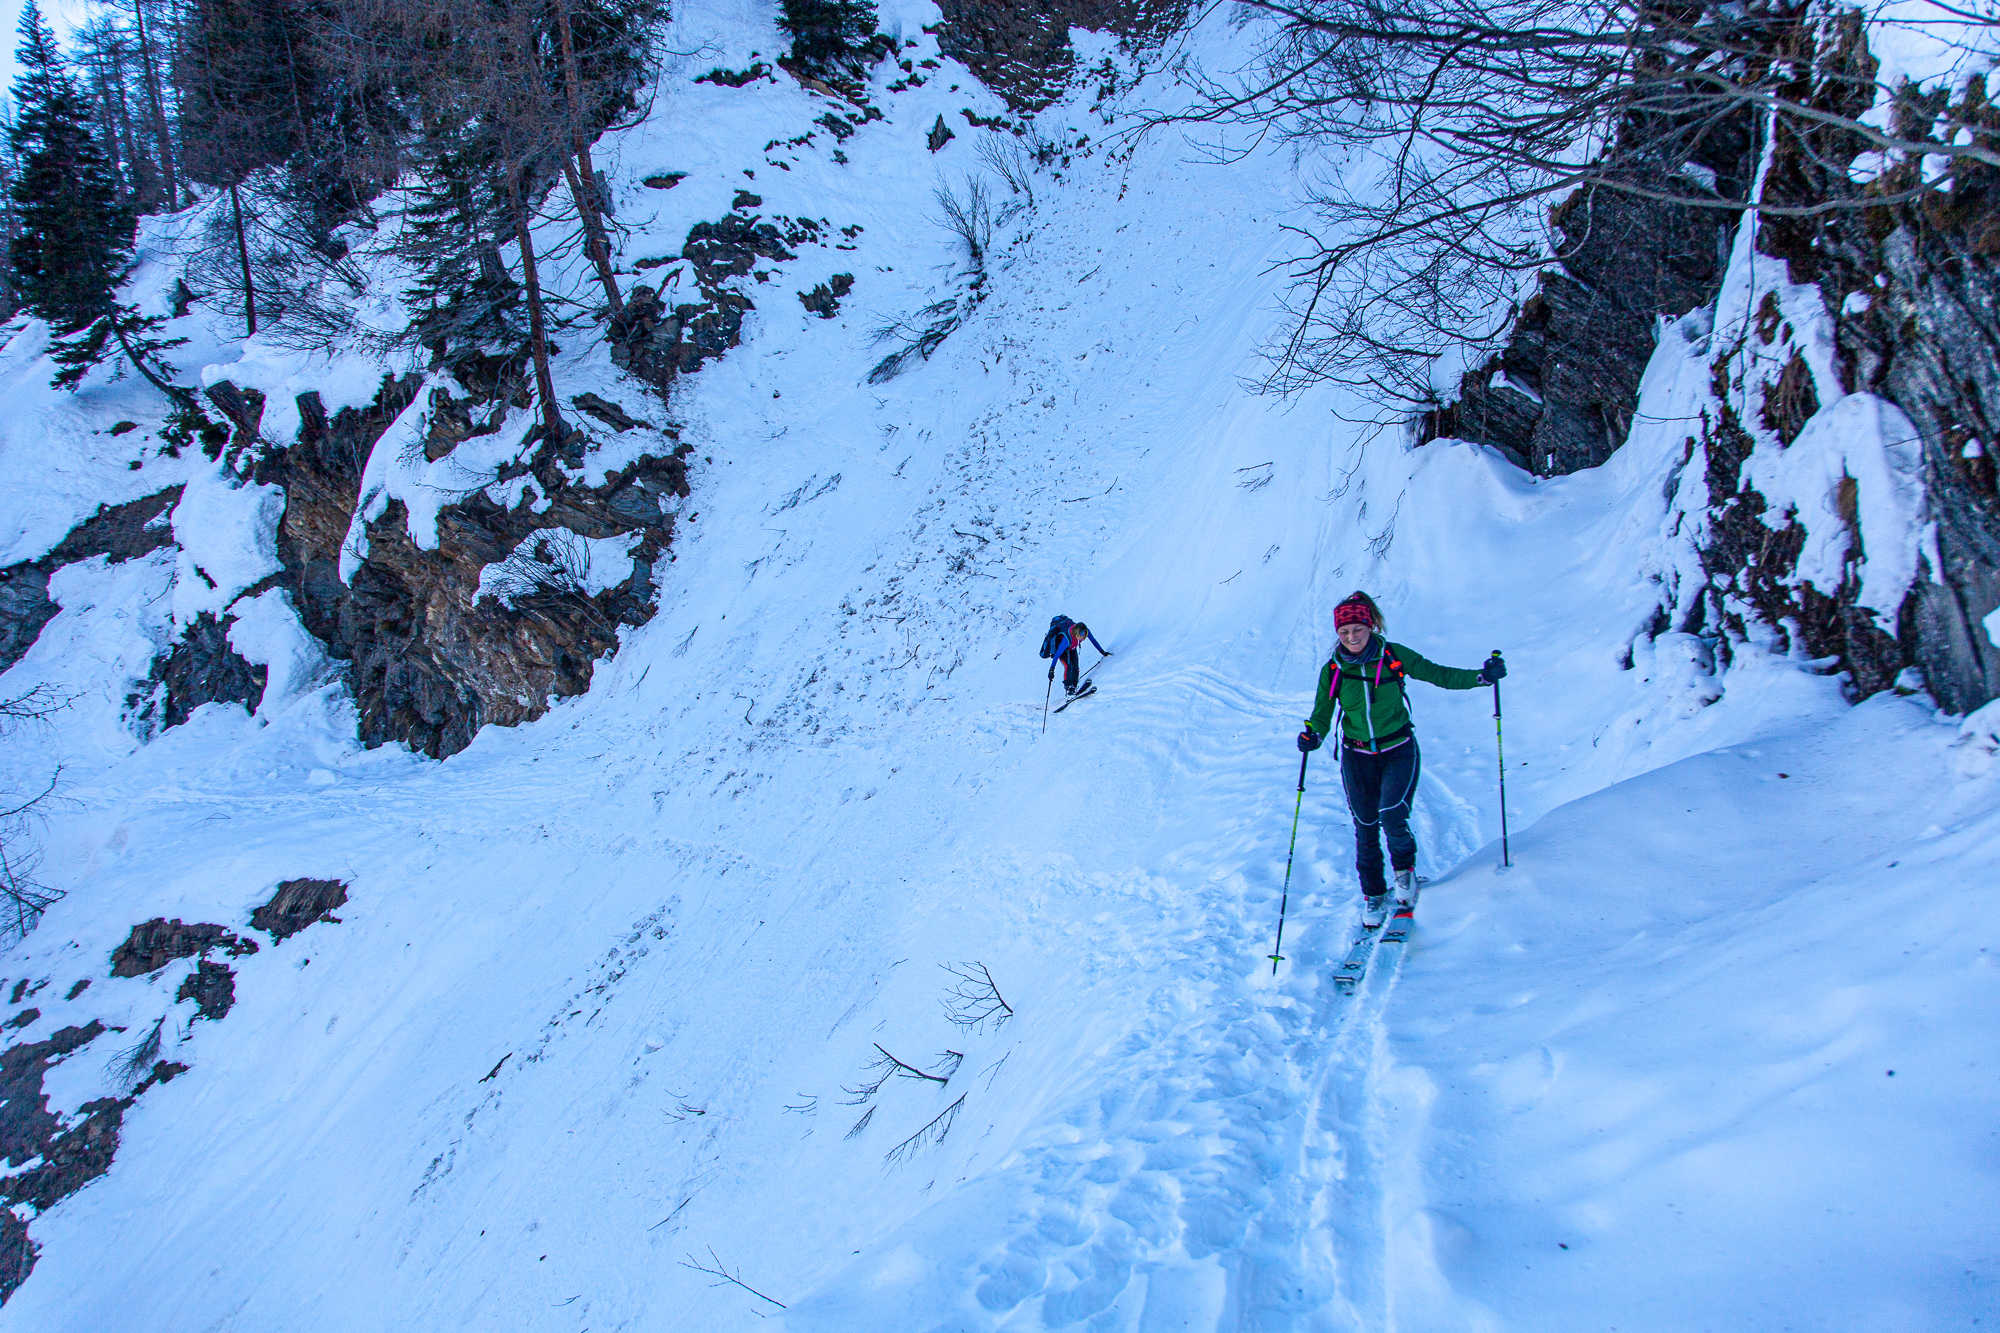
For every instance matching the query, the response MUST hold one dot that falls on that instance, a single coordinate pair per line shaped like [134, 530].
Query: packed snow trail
[605, 981]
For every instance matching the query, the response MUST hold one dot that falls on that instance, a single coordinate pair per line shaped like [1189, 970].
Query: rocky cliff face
[1023, 52]
[1912, 290]
[1560, 395]
[1914, 285]
[1938, 336]
[430, 657]
[1918, 286]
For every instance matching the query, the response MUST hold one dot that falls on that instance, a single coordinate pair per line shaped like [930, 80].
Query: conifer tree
[74, 246]
[76, 227]
[829, 36]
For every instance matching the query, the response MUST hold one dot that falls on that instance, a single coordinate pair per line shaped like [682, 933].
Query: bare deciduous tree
[23, 899]
[967, 213]
[1456, 124]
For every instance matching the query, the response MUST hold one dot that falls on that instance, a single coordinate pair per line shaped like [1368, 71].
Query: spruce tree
[76, 228]
[830, 36]
[464, 301]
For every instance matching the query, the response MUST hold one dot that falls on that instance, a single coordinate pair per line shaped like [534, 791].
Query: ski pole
[1045, 698]
[1286, 901]
[1500, 748]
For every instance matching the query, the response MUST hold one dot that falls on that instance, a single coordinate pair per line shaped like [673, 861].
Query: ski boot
[1374, 910]
[1406, 887]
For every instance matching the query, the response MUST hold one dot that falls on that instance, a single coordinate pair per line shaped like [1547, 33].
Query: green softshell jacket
[1373, 711]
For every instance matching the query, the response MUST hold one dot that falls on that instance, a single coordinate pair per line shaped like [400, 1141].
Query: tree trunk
[538, 341]
[595, 243]
[107, 120]
[144, 177]
[163, 138]
[582, 175]
[174, 391]
[243, 256]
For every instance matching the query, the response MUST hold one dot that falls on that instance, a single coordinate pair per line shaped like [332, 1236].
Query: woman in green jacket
[1378, 750]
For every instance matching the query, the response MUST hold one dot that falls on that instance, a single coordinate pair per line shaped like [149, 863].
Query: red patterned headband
[1353, 613]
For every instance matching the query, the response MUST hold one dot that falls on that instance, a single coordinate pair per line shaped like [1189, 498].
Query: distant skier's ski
[1083, 691]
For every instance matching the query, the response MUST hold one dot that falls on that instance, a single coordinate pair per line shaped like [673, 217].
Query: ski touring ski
[1400, 920]
[1083, 691]
[1397, 932]
[1355, 966]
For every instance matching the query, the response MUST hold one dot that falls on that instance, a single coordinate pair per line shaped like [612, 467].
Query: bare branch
[932, 1133]
[23, 899]
[890, 1067]
[37, 705]
[975, 1000]
[129, 1066]
[718, 1271]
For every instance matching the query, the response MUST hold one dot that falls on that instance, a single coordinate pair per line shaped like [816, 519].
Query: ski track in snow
[603, 980]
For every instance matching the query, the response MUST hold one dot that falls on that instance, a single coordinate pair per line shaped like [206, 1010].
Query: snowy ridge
[605, 983]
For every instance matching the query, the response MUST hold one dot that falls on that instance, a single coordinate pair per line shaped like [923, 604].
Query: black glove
[1309, 741]
[1493, 670]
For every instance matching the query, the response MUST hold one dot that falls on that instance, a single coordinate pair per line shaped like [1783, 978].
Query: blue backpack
[1057, 641]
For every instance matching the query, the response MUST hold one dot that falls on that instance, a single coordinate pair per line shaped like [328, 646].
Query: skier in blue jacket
[1065, 636]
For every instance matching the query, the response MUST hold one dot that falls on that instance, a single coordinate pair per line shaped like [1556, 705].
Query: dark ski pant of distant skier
[1381, 785]
[1071, 662]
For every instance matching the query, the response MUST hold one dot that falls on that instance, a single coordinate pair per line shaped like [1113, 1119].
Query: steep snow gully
[606, 1002]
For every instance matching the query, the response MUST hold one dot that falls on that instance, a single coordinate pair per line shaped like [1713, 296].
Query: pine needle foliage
[76, 225]
[830, 37]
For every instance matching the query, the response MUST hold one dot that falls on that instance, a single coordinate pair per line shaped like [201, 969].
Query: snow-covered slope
[604, 983]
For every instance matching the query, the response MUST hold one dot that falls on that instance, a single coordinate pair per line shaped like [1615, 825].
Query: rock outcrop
[297, 904]
[1560, 396]
[201, 668]
[66, 1155]
[212, 987]
[1912, 288]
[154, 944]
[656, 344]
[430, 659]
[1023, 51]
[120, 532]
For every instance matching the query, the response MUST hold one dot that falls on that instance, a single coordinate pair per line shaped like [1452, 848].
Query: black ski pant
[1381, 790]
[1078, 633]
[1070, 673]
